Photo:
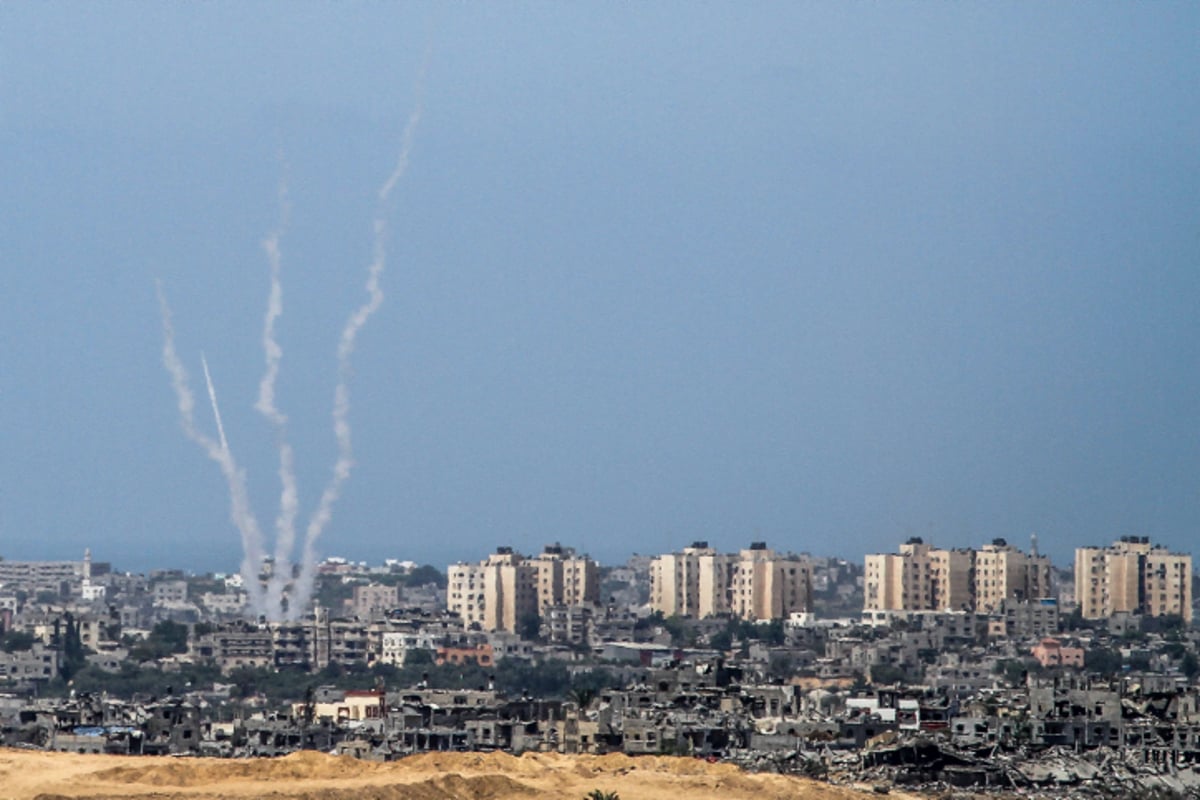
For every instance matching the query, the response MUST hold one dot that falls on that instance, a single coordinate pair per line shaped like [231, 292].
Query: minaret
[87, 564]
[1033, 545]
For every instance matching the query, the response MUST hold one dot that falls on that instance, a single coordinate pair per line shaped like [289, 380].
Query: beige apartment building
[692, 583]
[901, 581]
[564, 578]
[1002, 572]
[924, 578]
[500, 592]
[952, 575]
[1133, 576]
[755, 584]
[766, 586]
[464, 592]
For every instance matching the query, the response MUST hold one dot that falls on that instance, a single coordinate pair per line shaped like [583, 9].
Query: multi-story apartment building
[923, 578]
[234, 645]
[336, 641]
[564, 578]
[373, 600]
[767, 586]
[509, 589]
[953, 576]
[1002, 572]
[903, 581]
[36, 576]
[501, 592]
[464, 592]
[396, 645]
[39, 663]
[756, 583]
[1133, 576]
[170, 592]
[690, 583]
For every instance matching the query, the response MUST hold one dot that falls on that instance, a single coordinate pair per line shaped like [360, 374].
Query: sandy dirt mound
[302, 766]
[30, 775]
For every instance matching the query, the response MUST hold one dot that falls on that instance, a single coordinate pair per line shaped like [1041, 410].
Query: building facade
[373, 600]
[505, 590]
[1004, 573]
[1133, 576]
[756, 583]
[924, 578]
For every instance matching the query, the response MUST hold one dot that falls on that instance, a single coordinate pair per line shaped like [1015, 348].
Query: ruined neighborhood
[986, 669]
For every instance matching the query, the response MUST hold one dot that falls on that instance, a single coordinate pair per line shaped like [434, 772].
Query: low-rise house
[1052, 653]
[343, 706]
[224, 603]
[39, 663]
[480, 654]
[396, 645]
[169, 592]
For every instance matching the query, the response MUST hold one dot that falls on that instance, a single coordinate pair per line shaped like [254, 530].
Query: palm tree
[583, 697]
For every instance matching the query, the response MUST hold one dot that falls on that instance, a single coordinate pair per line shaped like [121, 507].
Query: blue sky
[825, 275]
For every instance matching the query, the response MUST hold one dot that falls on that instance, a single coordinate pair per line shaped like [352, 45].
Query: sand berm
[35, 775]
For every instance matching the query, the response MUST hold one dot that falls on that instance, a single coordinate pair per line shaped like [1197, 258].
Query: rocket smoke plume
[269, 600]
[289, 496]
[341, 396]
[212, 398]
[239, 504]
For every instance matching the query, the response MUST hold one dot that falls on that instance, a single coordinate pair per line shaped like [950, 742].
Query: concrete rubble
[1054, 739]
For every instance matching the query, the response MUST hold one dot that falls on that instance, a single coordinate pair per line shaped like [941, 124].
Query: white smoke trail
[212, 398]
[289, 496]
[239, 504]
[341, 396]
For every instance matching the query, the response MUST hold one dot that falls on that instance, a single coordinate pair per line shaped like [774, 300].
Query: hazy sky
[827, 275]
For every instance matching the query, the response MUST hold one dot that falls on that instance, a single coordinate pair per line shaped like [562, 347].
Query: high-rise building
[691, 583]
[924, 578]
[952, 576]
[1002, 572]
[1133, 576]
[756, 584]
[564, 578]
[901, 581]
[501, 592]
[464, 592]
[768, 586]
[509, 590]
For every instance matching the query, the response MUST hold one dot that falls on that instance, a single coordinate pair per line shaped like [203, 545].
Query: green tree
[165, 639]
[16, 641]
[887, 674]
[529, 627]
[1013, 669]
[417, 657]
[70, 644]
[1103, 660]
[1170, 625]
[773, 633]
[582, 696]
[133, 679]
[425, 574]
[721, 640]
[781, 667]
[682, 633]
[332, 592]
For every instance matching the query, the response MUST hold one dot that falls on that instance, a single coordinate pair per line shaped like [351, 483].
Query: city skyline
[819, 276]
